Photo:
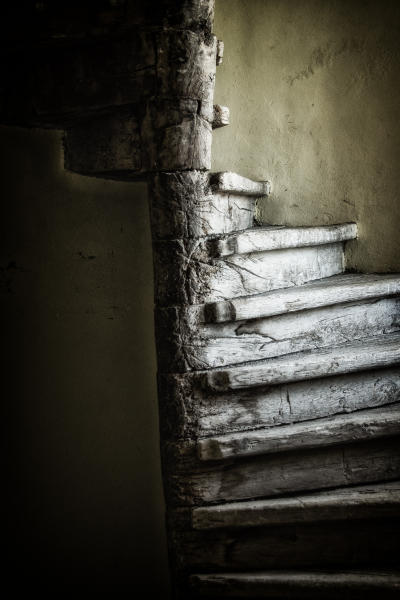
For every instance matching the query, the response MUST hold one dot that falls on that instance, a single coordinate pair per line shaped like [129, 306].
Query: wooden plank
[232, 183]
[221, 116]
[182, 206]
[298, 584]
[361, 425]
[220, 52]
[186, 65]
[238, 275]
[193, 346]
[331, 290]
[195, 413]
[260, 239]
[278, 474]
[356, 544]
[380, 500]
[369, 353]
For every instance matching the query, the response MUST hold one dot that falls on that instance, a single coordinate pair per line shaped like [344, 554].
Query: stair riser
[240, 275]
[322, 545]
[274, 475]
[306, 585]
[360, 502]
[208, 346]
[278, 405]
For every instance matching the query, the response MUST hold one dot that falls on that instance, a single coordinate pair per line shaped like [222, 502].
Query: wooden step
[209, 280]
[323, 545]
[325, 292]
[232, 183]
[183, 205]
[370, 353]
[360, 425]
[215, 345]
[299, 584]
[221, 116]
[270, 475]
[260, 239]
[216, 414]
[381, 500]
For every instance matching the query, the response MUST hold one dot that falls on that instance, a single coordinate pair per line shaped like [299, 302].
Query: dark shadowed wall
[81, 408]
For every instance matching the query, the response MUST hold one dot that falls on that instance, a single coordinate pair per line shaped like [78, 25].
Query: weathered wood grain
[239, 274]
[330, 290]
[183, 206]
[186, 65]
[279, 474]
[369, 353]
[260, 239]
[192, 346]
[227, 182]
[220, 52]
[356, 544]
[192, 412]
[221, 116]
[175, 136]
[360, 425]
[354, 585]
[381, 500]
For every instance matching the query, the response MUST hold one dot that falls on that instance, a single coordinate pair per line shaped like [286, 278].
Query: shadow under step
[380, 500]
[298, 584]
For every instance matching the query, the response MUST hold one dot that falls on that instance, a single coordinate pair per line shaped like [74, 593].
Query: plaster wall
[81, 406]
[314, 93]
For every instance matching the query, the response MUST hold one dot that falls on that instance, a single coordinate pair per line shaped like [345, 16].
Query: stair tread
[371, 352]
[358, 502]
[348, 287]
[271, 237]
[286, 584]
[232, 183]
[352, 427]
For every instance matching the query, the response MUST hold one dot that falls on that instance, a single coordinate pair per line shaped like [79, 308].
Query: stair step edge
[328, 431]
[232, 183]
[332, 290]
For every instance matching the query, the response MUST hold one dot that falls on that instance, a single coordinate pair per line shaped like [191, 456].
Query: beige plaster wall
[314, 92]
[80, 410]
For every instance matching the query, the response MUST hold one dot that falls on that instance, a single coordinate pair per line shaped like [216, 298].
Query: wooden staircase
[281, 416]
[279, 373]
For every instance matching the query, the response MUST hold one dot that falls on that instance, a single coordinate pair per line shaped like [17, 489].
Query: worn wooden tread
[359, 502]
[260, 239]
[293, 584]
[324, 292]
[360, 425]
[369, 353]
[220, 116]
[232, 183]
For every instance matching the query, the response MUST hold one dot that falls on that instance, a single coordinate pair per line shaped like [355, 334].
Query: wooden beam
[331, 290]
[381, 500]
[260, 239]
[357, 426]
[369, 353]
[298, 584]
